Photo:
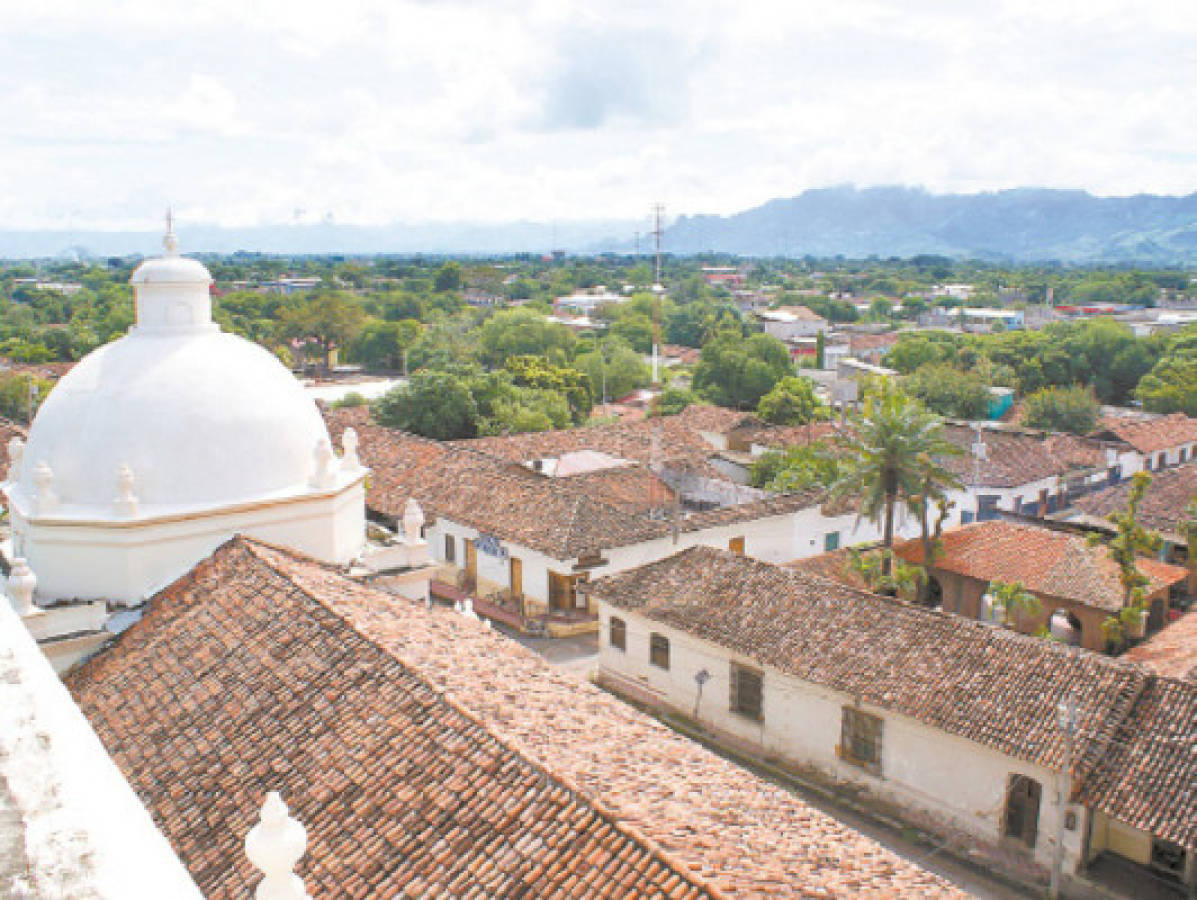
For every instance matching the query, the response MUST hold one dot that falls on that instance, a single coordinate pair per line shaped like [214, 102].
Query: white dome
[200, 417]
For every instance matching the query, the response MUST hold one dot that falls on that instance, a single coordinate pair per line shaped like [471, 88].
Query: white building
[788, 322]
[949, 723]
[156, 448]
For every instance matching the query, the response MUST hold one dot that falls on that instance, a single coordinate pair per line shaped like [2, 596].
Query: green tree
[613, 364]
[330, 319]
[448, 277]
[523, 332]
[884, 455]
[792, 401]
[572, 385]
[672, 401]
[433, 404]
[1171, 386]
[946, 390]
[381, 345]
[884, 573]
[795, 468]
[737, 372]
[20, 393]
[1072, 409]
[1131, 540]
[1017, 602]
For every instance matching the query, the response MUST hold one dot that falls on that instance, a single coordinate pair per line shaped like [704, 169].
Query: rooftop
[1146, 778]
[1016, 457]
[1163, 508]
[1151, 435]
[427, 755]
[986, 684]
[484, 484]
[1172, 651]
[1052, 563]
[989, 685]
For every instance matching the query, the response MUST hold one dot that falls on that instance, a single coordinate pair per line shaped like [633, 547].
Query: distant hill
[1020, 224]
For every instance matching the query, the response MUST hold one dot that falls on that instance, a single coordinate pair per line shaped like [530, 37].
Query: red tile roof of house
[1052, 563]
[1148, 779]
[430, 756]
[1152, 435]
[983, 683]
[562, 517]
[1015, 457]
[1171, 651]
[1164, 507]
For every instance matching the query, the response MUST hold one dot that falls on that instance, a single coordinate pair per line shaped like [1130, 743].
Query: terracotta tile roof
[1052, 563]
[1020, 457]
[1152, 435]
[1148, 780]
[688, 355]
[986, 684]
[428, 755]
[1171, 651]
[833, 566]
[859, 343]
[561, 517]
[1164, 504]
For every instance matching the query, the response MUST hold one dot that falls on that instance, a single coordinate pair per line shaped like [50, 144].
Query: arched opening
[1065, 627]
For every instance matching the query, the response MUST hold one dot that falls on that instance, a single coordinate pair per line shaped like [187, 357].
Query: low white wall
[86, 833]
[955, 782]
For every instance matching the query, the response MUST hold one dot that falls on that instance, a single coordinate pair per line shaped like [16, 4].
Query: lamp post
[1066, 719]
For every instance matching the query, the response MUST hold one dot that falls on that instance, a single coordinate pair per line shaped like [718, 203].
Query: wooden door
[517, 577]
[471, 565]
[736, 545]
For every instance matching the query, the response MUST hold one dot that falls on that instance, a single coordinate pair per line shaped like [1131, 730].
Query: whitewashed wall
[928, 772]
[126, 562]
[774, 539]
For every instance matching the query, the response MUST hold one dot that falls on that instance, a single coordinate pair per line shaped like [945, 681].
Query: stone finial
[45, 500]
[126, 501]
[21, 583]
[274, 846]
[16, 450]
[413, 521]
[324, 475]
[349, 458]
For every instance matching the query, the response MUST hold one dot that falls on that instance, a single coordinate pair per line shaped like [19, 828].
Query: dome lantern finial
[169, 240]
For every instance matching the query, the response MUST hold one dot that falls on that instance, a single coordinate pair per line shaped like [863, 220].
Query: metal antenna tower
[658, 212]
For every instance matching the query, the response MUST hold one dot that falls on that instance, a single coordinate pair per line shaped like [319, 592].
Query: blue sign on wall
[489, 544]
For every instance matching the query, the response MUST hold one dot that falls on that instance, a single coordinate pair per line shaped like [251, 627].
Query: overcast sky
[266, 111]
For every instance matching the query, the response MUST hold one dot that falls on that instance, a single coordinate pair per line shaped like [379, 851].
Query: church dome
[177, 414]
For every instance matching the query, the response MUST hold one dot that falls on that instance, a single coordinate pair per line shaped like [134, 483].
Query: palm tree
[935, 481]
[887, 455]
[1016, 600]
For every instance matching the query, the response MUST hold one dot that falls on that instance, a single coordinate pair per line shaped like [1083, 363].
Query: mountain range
[1019, 225]
[1023, 224]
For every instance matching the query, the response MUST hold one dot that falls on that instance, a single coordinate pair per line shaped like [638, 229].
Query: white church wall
[127, 562]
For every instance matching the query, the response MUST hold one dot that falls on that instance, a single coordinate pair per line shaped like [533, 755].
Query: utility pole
[1066, 712]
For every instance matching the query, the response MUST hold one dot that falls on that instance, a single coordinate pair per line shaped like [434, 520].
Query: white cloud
[556, 109]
